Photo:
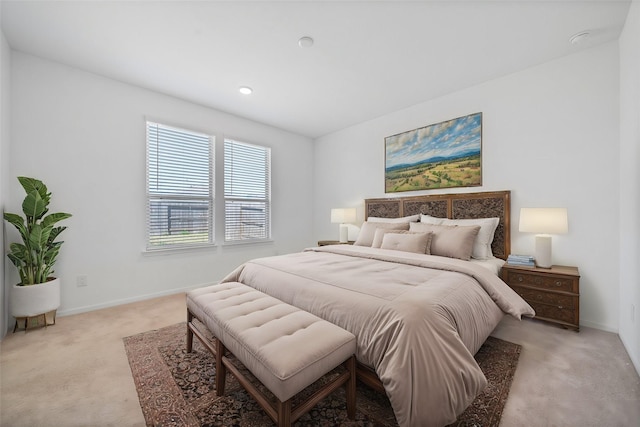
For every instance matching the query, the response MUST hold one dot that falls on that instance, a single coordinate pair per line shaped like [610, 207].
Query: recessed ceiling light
[245, 90]
[305, 41]
[579, 37]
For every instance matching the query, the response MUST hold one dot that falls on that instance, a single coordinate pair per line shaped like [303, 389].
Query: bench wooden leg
[189, 332]
[221, 369]
[351, 388]
[284, 413]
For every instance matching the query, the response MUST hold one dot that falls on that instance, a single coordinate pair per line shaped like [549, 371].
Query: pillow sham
[368, 230]
[412, 218]
[381, 232]
[453, 241]
[407, 242]
[428, 219]
[482, 244]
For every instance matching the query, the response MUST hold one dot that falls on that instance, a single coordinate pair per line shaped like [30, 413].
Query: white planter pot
[34, 300]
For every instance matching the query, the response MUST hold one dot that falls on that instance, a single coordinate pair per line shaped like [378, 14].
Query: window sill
[178, 249]
[248, 242]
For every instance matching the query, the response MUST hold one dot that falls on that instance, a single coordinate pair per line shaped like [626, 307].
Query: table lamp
[544, 221]
[343, 216]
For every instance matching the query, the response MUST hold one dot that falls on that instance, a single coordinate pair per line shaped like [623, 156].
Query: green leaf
[34, 206]
[39, 237]
[54, 217]
[54, 233]
[32, 184]
[17, 221]
[20, 250]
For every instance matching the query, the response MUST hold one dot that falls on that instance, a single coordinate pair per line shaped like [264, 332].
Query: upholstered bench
[286, 348]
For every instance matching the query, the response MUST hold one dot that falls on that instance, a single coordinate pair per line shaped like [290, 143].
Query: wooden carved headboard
[454, 206]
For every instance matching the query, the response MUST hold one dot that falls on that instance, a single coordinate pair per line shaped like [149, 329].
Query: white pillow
[428, 219]
[368, 230]
[412, 218]
[408, 242]
[482, 245]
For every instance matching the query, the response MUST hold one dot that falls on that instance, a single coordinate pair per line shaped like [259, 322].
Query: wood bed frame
[494, 204]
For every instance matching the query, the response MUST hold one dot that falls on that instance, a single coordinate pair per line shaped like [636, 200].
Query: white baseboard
[596, 325]
[114, 303]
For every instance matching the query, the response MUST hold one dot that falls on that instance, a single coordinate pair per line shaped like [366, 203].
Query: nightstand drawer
[551, 298]
[515, 278]
[551, 312]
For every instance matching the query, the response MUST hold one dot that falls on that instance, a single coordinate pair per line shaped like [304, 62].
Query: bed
[418, 318]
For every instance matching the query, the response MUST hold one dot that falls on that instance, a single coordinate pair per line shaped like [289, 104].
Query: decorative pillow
[428, 219]
[380, 233]
[368, 230]
[412, 218]
[453, 241]
[482, 245]
[408, 242]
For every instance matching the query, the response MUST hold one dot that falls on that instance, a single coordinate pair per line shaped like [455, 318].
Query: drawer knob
[558, 283]
[520, 279]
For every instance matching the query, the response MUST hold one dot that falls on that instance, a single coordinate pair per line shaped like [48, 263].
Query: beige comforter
[418, 319]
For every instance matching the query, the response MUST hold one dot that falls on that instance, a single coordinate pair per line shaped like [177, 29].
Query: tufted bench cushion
[286, 348]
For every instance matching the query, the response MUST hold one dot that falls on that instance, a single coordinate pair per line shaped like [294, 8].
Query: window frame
[267, 200]
[210, 199]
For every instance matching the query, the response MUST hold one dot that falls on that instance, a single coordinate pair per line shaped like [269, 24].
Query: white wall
[84, 136]
[550, 135]
[5, 96]
[630, 184]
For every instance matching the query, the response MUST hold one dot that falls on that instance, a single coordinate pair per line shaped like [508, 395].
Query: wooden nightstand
[334, 242]
[554, 293]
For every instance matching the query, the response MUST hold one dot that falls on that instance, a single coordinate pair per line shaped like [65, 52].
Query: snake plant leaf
[34, 206]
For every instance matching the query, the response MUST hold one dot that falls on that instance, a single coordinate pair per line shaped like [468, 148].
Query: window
[180, 192]
[247, 192]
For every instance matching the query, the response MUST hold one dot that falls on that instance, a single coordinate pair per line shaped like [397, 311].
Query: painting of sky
[446, 140]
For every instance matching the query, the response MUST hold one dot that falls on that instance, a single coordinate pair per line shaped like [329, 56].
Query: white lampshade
[342, 215]
[543, 221]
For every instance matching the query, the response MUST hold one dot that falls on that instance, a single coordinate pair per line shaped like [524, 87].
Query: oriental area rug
[176, 388]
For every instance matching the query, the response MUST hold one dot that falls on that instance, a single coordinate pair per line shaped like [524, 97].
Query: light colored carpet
[76, 372]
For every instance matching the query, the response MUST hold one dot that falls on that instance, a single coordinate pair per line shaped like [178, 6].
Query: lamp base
[543, 251]
[344, 233]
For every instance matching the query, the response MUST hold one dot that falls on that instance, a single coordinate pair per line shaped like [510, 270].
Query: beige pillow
[380, 232]
[368, 230]
[453, 241]
[408, 242]
[482, 244]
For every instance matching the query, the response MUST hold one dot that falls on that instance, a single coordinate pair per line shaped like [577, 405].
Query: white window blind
[247, 191]
[180, 191]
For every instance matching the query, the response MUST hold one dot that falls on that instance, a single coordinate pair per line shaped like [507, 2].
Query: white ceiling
[370, 58]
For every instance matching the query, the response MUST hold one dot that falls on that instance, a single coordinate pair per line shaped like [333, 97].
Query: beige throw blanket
[418, 319]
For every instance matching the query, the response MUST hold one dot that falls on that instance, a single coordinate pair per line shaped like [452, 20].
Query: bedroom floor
[76, 373]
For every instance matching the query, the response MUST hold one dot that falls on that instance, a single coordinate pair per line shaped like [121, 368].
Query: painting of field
[443, 155]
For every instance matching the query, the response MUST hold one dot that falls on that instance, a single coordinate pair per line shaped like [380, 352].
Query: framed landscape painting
[442, 155]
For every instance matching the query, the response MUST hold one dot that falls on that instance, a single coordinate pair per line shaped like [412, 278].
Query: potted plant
[38, 292]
